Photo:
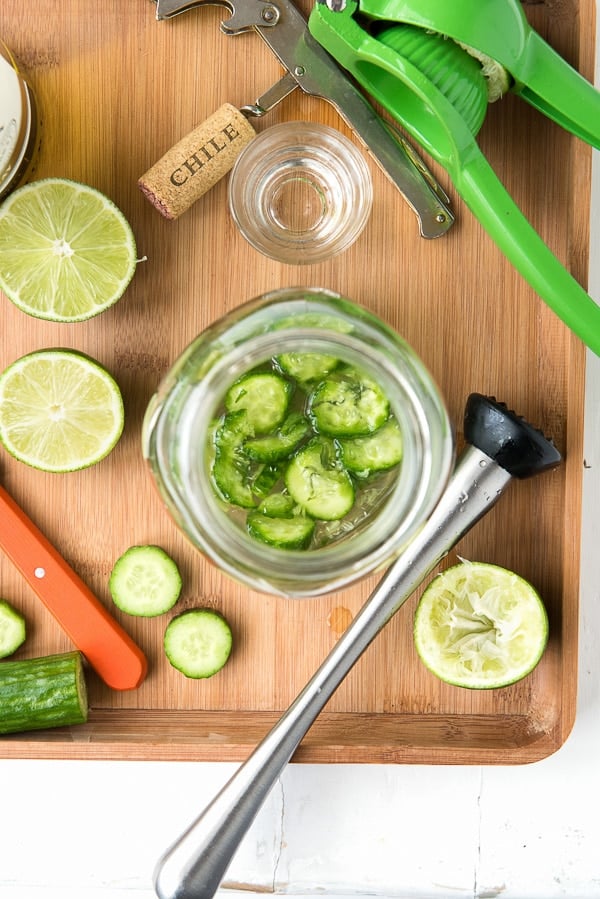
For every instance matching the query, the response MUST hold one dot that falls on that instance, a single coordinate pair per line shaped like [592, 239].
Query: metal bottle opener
[310, 68]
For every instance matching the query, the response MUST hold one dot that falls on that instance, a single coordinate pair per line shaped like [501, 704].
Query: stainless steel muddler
[500, 446]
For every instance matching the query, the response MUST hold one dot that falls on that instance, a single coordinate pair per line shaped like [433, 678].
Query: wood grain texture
[116, 90]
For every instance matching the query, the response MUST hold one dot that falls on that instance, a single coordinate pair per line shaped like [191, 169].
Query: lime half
[480, 626]
[66, 252]
[59, 410]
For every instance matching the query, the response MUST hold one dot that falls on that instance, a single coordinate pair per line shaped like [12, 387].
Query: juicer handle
[557, 90]
[108, 649]
[491, 203]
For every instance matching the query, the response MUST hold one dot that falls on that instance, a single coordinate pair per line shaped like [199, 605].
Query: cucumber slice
[277, 446]
[277, 505]
[285, 533]
[145, 581]
[12, 629]
[263, 396]
[350, 405]
[45, 692]
[306, 367]
[232, 471]
[322, 321]
[230, 432]
[267, 478]
[198, 642]
[379, 451]
[317, 481]
[299, 435]
[233, 480]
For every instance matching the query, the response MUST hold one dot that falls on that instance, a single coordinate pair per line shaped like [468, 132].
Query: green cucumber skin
[232, 472]
[281, 444]
[41, 693]
[287, 533]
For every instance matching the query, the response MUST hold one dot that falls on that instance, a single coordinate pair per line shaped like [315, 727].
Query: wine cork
[190, 168]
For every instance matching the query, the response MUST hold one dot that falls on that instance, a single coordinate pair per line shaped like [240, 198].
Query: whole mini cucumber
[43, 692]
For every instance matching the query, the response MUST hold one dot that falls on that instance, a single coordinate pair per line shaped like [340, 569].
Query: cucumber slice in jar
[318, 482]
[282, 443]
[263, 396]
[12, 629]
[232, 471]
[198, 642]
[379, 451]
[307, 367]
[277, 505]
[294, 445]
[349, 405]
[145, 581]
[267, 478]
[285, 533]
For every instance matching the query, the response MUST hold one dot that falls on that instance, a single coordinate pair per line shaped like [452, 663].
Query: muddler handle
[500, 446]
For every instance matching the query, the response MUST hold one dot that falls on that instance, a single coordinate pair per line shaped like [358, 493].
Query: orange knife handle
[108, 648]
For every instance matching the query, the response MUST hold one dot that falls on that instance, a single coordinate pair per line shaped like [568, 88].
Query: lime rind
[60, 411]
[67, 252]
[480, 626]
[497, 78]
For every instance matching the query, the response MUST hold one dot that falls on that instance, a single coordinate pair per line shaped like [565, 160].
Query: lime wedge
[59, 410]
[480, 626]
[66, 252]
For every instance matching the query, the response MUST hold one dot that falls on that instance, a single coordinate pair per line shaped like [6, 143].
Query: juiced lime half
[497, 78]
[66, 252]
[478, 625]
[59, 410]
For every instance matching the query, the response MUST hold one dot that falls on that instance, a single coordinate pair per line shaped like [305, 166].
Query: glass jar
[180, 416]
[18, 125]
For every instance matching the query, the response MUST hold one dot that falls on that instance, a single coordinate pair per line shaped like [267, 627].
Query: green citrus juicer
[499, 29]
[437, 91]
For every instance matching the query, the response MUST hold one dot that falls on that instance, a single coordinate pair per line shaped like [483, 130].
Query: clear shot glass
[300, 192]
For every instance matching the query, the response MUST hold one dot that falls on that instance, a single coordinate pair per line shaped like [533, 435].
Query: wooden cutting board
[116, 89]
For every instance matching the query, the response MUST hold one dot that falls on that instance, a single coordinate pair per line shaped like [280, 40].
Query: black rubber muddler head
[508, 439]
